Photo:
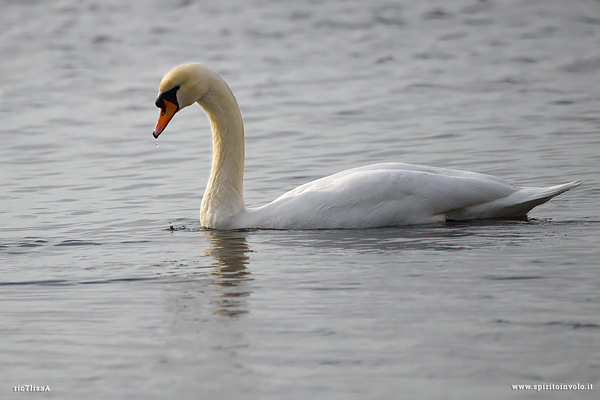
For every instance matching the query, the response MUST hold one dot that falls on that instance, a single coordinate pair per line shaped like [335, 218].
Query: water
[110, 289]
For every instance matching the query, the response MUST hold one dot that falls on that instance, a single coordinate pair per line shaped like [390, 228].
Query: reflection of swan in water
[438, 238]
[229, 249]
[206, 301]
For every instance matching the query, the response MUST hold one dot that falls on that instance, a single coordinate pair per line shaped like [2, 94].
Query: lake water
[109, 288]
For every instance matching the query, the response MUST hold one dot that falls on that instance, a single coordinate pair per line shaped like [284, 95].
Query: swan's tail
[515, 205]
[521, 202]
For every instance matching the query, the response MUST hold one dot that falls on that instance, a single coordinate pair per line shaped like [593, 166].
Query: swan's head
[181, 87]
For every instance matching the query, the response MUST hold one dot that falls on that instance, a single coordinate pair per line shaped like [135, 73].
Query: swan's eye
[170, 96]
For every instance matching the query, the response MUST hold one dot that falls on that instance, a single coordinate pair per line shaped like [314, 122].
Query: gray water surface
[109, 288]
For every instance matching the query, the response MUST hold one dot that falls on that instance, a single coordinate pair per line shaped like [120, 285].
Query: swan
[386, 194]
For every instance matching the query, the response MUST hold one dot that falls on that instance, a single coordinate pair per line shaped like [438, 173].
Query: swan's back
[393, 194]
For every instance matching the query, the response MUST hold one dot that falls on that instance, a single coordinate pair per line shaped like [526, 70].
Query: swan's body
[376, 195]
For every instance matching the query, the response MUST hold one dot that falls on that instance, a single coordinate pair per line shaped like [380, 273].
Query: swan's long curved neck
[223, 199]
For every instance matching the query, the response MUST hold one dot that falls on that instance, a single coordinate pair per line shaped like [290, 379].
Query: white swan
[376, 195]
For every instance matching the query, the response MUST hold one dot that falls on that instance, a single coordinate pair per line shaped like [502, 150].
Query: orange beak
[165, 116]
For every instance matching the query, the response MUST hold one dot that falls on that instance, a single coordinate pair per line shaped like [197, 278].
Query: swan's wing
[381, 195]
[423, 168]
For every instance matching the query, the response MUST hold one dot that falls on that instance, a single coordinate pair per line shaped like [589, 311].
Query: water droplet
[156, 145]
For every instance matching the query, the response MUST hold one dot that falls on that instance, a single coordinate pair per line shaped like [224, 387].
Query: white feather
[393, 194]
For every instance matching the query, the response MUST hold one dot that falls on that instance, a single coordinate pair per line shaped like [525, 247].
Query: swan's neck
[223, 199]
